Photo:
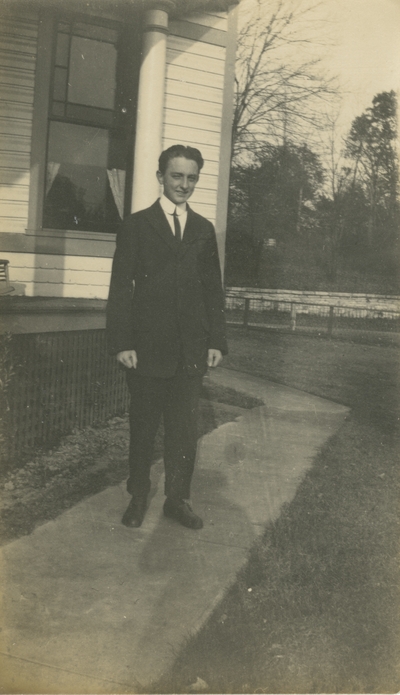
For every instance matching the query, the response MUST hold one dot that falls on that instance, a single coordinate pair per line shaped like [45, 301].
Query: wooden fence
[247, 306]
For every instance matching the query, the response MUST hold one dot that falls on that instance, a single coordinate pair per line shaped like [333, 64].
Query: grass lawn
[316, 609]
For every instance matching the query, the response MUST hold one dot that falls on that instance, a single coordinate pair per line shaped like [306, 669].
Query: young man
[166, 324]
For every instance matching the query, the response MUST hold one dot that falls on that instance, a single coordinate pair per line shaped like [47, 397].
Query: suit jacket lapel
[158, 221]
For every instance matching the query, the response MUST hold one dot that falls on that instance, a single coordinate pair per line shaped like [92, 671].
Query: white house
[91, 91]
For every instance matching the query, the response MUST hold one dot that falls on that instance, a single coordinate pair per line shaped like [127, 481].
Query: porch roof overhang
[180, 7]
[175, 8]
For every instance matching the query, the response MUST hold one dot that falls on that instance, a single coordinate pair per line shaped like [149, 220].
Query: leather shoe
[181, 511]
[134, 514]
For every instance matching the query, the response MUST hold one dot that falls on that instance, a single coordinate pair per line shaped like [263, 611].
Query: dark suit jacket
[166, 298]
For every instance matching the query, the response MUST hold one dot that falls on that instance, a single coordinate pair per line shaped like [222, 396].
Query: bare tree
[279, 83]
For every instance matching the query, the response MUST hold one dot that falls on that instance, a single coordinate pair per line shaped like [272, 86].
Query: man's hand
[214, 358]
[128, 358]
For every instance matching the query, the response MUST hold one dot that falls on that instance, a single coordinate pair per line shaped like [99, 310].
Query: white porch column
[149, 124]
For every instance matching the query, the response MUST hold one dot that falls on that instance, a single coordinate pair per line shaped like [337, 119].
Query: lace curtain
[116, 178]
[52, 171]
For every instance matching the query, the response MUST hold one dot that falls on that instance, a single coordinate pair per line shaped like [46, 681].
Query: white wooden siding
[44, 275]
[10, 174]
[178, 118]
[15, 77]
[15, 126]
[18, 35]
[190, 47]
[13, 109]
[193, 136]
[195, 61]
[177, 85]
[192, 78]
[194, 106]
[193, 102]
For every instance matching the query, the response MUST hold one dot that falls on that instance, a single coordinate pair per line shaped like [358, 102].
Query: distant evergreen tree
[273, 199]
[370, 146]
[360, 222]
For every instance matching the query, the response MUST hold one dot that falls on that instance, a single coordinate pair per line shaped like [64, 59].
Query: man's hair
[179, 151]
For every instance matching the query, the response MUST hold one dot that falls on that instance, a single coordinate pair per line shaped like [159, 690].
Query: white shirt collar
[169, 207]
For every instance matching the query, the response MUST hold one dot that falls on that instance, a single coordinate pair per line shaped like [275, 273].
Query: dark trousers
[176, 399]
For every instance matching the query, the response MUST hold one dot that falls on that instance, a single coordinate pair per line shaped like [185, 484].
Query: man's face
[180, 179]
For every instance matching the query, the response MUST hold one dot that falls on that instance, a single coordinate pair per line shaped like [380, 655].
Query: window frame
[46, 48]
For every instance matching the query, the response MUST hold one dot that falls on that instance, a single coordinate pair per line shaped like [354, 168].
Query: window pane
[87, 152]
[60, 84]
[62, 50]
[92, 73]
[78, 144]
[78, 186]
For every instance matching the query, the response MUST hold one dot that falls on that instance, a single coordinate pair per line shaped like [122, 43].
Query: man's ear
[160, 177]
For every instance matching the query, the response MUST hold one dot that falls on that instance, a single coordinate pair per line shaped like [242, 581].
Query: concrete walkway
[90, 606]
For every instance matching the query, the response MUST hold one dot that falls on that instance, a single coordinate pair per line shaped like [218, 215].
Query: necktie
[177, 225]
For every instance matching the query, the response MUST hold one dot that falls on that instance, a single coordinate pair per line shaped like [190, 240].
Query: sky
[361, 45]
[366, 50]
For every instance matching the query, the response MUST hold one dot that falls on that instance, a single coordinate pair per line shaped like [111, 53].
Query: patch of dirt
[88, 461]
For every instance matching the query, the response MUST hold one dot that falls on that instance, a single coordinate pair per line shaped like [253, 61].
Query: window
[90, 126]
